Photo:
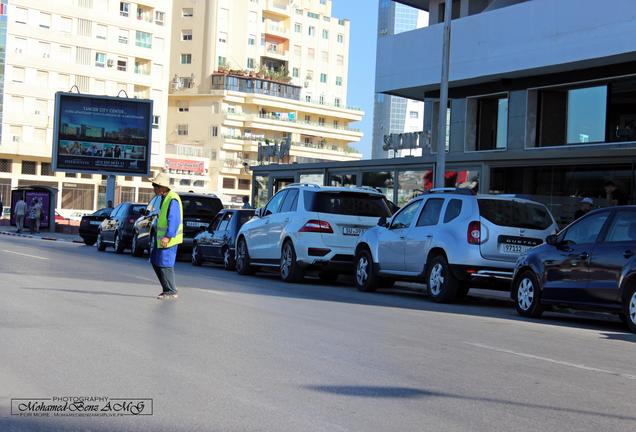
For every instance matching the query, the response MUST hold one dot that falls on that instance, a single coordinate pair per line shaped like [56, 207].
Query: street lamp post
[440, 166]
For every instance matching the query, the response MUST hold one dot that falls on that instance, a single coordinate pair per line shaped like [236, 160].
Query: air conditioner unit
[37, 112]
[110, 62]
[16, 138]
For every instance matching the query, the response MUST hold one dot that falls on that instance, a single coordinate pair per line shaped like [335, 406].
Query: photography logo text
[81, 406]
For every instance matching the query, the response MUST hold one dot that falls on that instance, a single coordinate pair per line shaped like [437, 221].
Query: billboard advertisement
[102, 135]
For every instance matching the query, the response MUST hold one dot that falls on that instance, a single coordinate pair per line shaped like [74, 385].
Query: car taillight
[317, 226]
[474, 233]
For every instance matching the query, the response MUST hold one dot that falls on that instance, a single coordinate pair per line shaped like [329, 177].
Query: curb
[14, 234]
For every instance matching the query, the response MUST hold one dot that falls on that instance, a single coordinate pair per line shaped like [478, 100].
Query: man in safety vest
[168, 235]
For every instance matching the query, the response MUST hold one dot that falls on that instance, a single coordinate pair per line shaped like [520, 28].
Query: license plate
[196, 224]
[352, 231]
[96, 222]
[513, 249]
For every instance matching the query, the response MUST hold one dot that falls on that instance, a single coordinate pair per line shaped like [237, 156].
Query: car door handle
[628, 253]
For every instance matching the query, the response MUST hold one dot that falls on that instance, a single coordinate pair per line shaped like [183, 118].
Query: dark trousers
[166, 279]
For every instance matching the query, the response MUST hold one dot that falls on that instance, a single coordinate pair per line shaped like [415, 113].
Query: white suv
[309, 227]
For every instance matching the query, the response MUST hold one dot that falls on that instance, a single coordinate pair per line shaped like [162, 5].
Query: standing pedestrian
[20, 210]
[37, 210]
[169, 234]
[613, 194]
[585, 206]
[246, 202]
[32, 210]
[1, 208]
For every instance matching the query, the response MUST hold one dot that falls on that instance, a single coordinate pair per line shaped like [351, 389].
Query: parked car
[591, 264]
[198, 212]
[307, 227]
[452, 240]
[116, 230]
[216, 244]
[89, 225]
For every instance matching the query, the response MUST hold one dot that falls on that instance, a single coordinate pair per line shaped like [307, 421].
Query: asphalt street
[253, 354]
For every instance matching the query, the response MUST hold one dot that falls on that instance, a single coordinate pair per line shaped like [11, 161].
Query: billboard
[102, 134]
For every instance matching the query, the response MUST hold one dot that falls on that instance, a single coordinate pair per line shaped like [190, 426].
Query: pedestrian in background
[20, 210]
[37, 210]
[169, 234]
[32, 215]
[246, 202]
[585, 205]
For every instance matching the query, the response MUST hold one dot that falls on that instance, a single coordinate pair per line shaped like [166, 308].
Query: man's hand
[164, 242]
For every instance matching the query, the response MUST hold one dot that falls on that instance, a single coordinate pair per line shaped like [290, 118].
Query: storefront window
[622, 111]
[318, 179]
[561, 188]
[260, 191]
[145, 195]
[77, 196]
[464, 179]
[126, 194]
[342, 180]
[381, 181]
[412, 184]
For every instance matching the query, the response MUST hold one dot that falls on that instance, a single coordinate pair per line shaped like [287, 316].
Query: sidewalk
[44, 235]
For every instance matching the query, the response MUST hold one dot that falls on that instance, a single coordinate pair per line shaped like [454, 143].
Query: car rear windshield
[136, 209]
[515, 214]
[347, 203]
[244, 217]
[201, 206]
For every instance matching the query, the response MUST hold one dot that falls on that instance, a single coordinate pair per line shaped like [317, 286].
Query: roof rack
[369, 188]
[303, 184]
[459, 191]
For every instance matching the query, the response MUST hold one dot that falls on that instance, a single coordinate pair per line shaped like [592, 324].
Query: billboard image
[100, 134]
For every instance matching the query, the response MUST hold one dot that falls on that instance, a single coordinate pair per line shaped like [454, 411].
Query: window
[405, 217]
[83, 56]
[586, 230]
[274, 204]
[143, 39]
[311, 53]
[122, 64]
[340, 38]
[160, 17]
[29, 167]
[184, 106]
[251, 63]
[414, 114]
[124, 8]
[83, 83]
[623, 228]
[244, 184]
[18, 74]
[431, 212]
[492, 123]
[20, 45]
[186, 58]
[340, 60]
[323, 78]
[16, 133]
[338, 81]
[222, 61]
[515, 214]
[100, 59]
[321, 121]
[291, 201]
[325, 34]
[45, 169]
[251, 40]
[225, 222]
[313, 15]
[308, 98]
[298, 28]
[310, 75]
[45, 20]
[84, 27]
[45, 49]
[41, 106]
[187, 12]
[123, 36]
[5, 166]
[21, 15]
[228, 183]
[453, 210]
[156, 121]
[295, 72]
[312, 31]
[182, 129]
[215, 131]
[80, 196]
[66, 25]
[336, 124]
[186, 35]
[101, 32]
[324, 55]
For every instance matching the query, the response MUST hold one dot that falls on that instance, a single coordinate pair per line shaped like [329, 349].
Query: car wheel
[527, 295]
[243, 266]
[630, 309]
[101, 246]
[135, 250]
[290, 270]
[365, 278]
[118, 244]
[442, 285]
[197, 260]
[228, 259]
[89, 241]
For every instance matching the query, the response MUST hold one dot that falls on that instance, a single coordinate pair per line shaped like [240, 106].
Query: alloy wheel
[99, 240]
[632, 308]
[436, 279]
[134, 244]
[226, 258]
[525, 295]
[286, 261]
[195, 253]
[240, 255]
[117, 242]
[362, 273]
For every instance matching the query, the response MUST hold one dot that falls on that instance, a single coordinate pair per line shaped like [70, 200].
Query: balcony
[276, 51]
[248, 84]
[526, 39]
[277, 7]
[190, 150]
[277, 28]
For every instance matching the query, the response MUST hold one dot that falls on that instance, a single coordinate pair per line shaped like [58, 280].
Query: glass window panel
[381, 181]
[412, 184]
[586, 115]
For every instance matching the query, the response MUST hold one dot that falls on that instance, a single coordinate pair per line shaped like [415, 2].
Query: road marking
[26, 255]
[211, 291]
[144, 278]
[549, 360]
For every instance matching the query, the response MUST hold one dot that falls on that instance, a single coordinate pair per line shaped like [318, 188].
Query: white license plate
[513, 249]
[96, 222]
[352, 231]
[196, 224]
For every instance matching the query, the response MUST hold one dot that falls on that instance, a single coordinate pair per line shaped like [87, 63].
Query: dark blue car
[591, 264]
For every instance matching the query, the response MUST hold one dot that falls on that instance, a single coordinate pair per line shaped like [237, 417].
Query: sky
[363, 15]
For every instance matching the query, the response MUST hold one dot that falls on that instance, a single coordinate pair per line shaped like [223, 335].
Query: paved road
[252, 354]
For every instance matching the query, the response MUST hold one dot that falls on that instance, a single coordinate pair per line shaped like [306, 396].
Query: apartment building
[253, 82]
[542, 96]
[103, 47]
[394, 114]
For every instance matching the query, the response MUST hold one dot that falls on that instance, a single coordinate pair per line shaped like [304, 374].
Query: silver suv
[451, 240]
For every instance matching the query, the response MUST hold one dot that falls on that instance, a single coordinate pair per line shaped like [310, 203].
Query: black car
[89, 226]
[591, 264]
[198, 212]
[116, 230]
[216, 244]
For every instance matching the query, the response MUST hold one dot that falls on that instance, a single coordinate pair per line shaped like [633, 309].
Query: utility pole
[440, 166]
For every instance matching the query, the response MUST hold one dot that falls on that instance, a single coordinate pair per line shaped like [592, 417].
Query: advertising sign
[197, 167]
[101, 134]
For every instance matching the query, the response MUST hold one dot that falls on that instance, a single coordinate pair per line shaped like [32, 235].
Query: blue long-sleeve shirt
[167, 257]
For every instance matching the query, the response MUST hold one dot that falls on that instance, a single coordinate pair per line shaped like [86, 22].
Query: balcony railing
[282, 118]
[189, 150]
[319, 145]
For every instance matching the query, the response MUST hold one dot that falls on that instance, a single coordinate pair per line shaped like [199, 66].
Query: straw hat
[161, 179]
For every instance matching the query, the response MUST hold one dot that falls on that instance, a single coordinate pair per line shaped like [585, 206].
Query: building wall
[53, 46]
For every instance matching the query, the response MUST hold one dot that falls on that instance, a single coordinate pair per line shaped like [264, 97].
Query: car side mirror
[552, 240]
[258, 212]
[382, 221]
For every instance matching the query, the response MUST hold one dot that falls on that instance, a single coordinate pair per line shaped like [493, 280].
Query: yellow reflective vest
[162, 221]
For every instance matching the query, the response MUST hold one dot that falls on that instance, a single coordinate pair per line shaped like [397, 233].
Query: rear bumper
[487, 277]
[88, 232]
[337, 263]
